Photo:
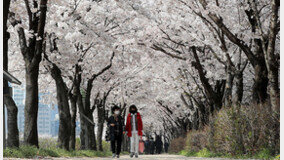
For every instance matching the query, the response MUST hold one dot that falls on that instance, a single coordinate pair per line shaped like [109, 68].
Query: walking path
[146, 157]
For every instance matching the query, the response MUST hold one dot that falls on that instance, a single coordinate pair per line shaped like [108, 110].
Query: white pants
[134, 142]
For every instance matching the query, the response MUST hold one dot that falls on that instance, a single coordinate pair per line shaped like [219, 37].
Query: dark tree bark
[272, 59]
[73, 121]
[86, 111]
[257, 59]
[272, 63]
[64, 132]
[101, 120]
[227, 98]
[239, 81]
[32, 54]
[239, 88]
[101, 116]
[87, 134]
[78, 95]
[6, 34]
[214, 96]
[125, 140]
[12, 110]
[202, 110]
[31, 106]
[63, 108]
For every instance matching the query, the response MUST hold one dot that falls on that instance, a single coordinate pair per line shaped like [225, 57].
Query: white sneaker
[113, 155]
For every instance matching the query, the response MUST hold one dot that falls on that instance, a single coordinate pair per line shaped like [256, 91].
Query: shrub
[77, 144]
[106, 146]
[245, 130]
[48, 142]
[238, 131]
[196, 140]
[263, 154]
[177, 145]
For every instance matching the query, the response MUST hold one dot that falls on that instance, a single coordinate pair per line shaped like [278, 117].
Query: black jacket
[117, 129]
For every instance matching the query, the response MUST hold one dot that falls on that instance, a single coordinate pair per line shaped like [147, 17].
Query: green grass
[202, 153]
[48, 148]
[30, 152]
[263, 154]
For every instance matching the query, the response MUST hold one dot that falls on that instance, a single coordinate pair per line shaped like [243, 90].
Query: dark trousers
[116, 144]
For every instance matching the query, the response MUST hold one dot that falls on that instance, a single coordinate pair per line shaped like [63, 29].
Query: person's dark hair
[115, 107]
[132, 107]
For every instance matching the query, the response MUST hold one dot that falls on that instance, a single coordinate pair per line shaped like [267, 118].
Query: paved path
[147, 157]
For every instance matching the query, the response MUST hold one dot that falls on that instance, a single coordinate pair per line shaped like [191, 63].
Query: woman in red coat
[134, 127]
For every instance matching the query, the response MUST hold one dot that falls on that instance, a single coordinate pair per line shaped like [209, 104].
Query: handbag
[141, 145]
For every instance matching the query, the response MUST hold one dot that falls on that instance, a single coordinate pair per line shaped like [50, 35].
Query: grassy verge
[48, 148]
[264, 154]
[31, 152]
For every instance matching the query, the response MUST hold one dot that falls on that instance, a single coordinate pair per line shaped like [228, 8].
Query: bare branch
[157, 48]
[21, 34]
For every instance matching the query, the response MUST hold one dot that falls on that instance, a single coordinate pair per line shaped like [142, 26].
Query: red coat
[139, 125]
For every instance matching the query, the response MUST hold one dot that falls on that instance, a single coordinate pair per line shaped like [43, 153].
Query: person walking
[115, 124]
[158, 144]
[147, 145]
[166, 146]
[151, 146]
[134, 127]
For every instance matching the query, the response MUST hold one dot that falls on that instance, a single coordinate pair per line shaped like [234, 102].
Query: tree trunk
[87, 134]
[101, 120]
[82, 133]
[260, 83]
[31, 106]
[12, 112]
[82, 120]
[204, 116]
[219, 90]
[195, 121]
[214, 96]
[272, 64]
[73, 122]
[6, 34]
[100, 135]
[227, 98]
[256, 59]
[239, 88]
[272, 60]
[90, 136]
[32, 54]
[63, 108]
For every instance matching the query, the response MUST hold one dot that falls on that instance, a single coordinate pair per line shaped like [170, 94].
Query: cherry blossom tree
[178, 61]
[31, 49]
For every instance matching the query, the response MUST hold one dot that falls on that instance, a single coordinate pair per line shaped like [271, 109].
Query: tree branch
[157, 48]
[21, 33]
[233, 38]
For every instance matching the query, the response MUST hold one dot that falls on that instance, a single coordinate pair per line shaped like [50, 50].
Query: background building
[48, 121]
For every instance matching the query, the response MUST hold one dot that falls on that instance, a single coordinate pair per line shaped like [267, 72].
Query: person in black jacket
[166, 146]
[158, 144]
[151, 146]
[115, 123]
[147, 146]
